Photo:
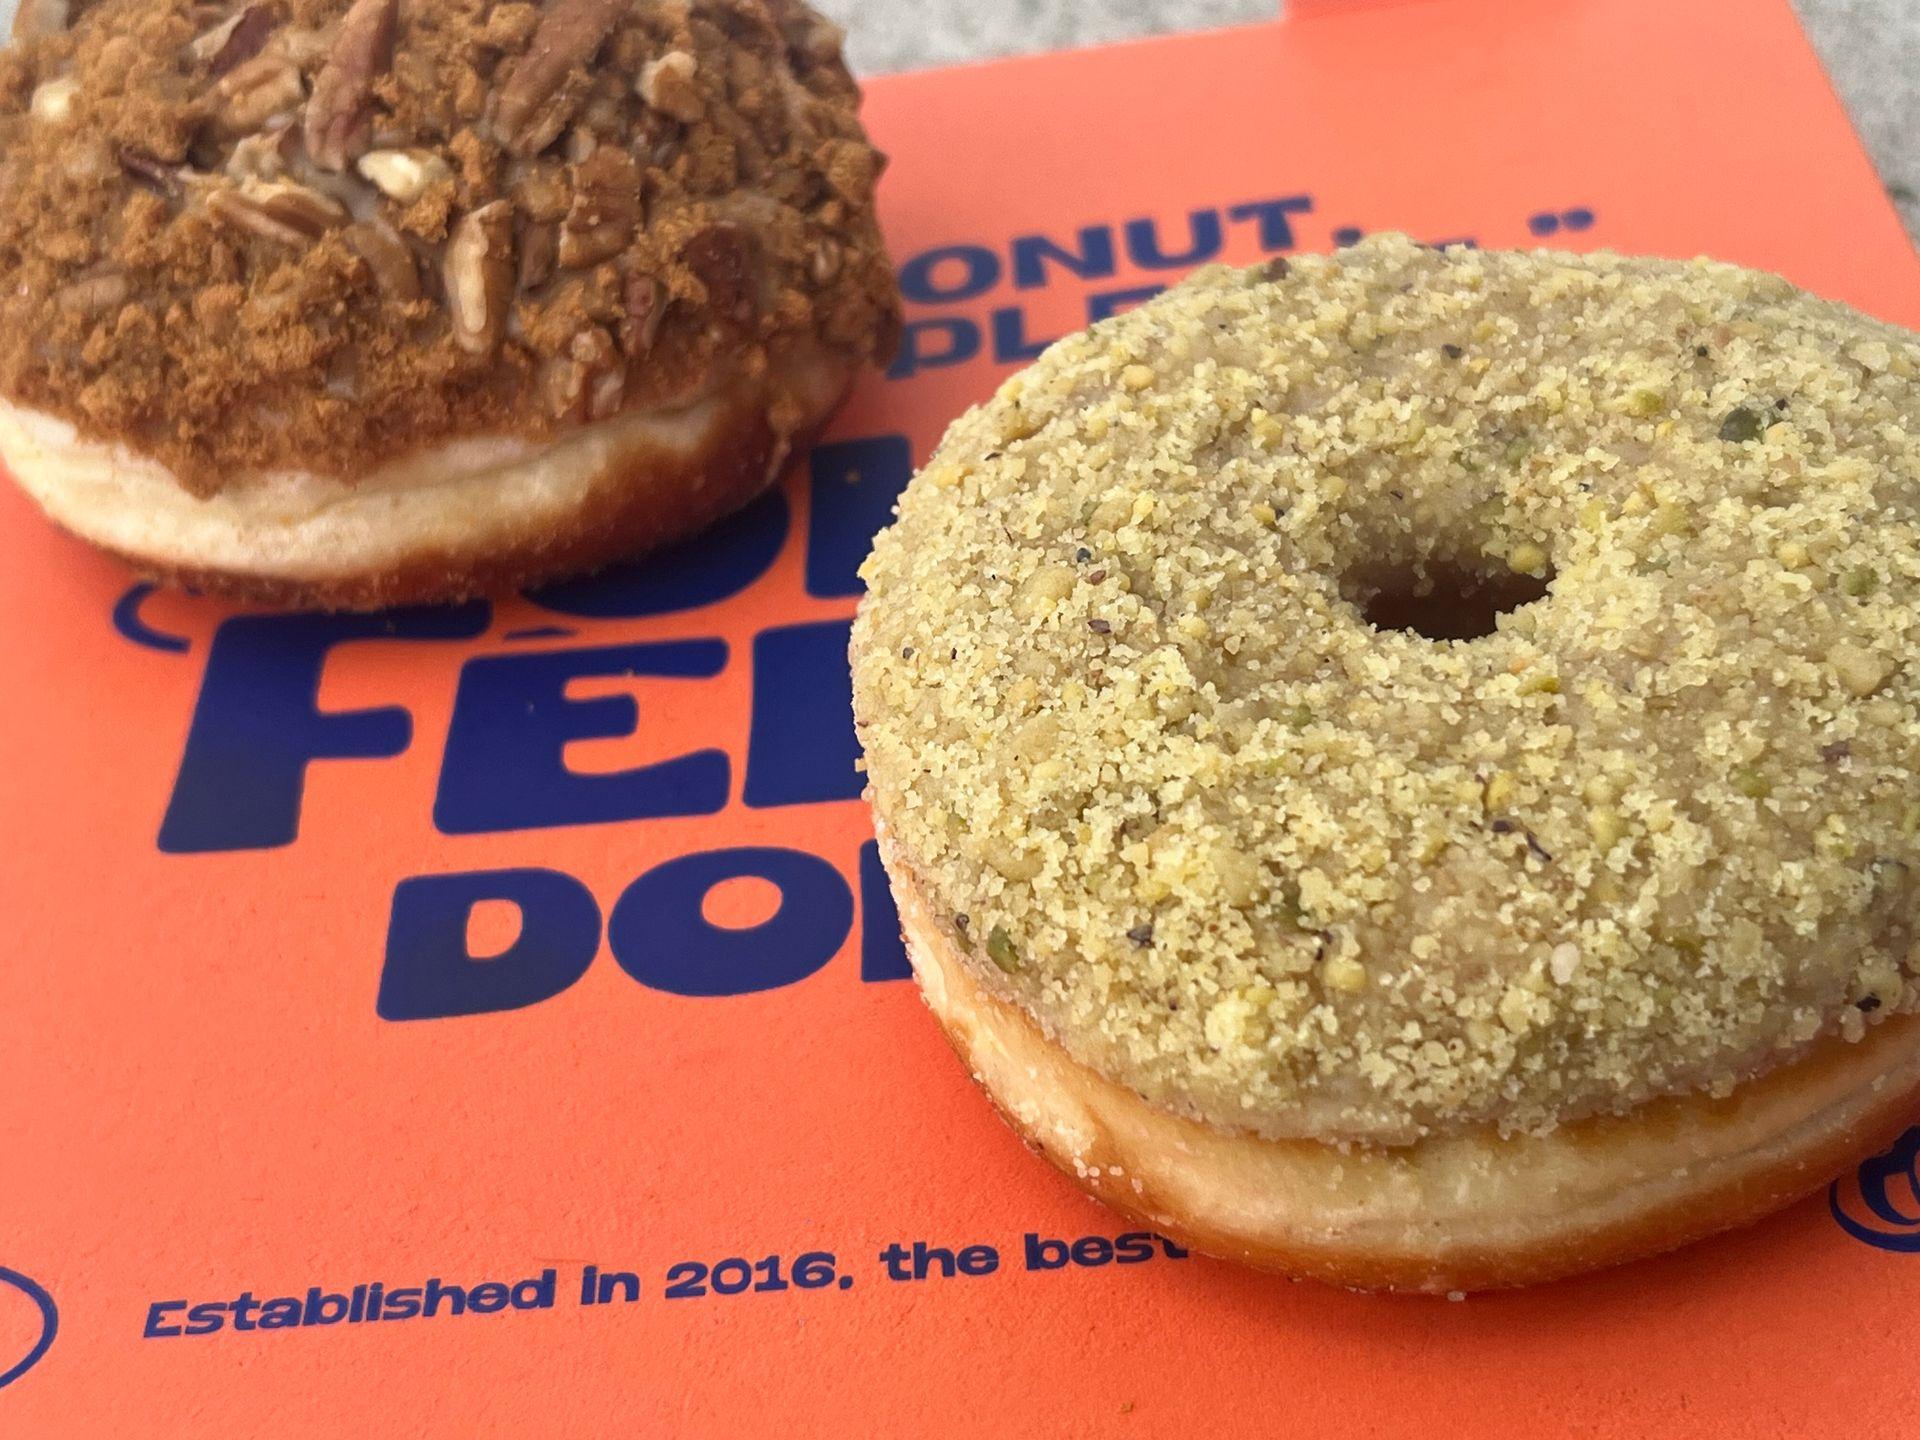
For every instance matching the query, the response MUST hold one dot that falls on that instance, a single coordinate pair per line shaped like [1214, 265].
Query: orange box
[249, 1065]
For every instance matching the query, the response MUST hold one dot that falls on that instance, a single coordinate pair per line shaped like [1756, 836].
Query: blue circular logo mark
[49, 1323]
[1880, 1204]
[132, 626]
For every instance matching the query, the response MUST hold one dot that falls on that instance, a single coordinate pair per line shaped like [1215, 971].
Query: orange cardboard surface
[490, 1020]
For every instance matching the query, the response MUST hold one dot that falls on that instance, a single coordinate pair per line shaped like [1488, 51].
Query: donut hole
[1442, 601]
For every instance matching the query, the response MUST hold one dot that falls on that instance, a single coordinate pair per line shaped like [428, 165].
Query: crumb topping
[319, 234]
[1407, 690]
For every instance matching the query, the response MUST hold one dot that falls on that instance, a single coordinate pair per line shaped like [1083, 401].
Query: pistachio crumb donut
[356, 302]
[1401, 767]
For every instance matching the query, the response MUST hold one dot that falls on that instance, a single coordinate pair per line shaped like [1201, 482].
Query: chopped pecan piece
[564, 383]
[291, 214]
[668, 85]
[510, 27]
[537, 100]
[144, 165]
[604, 115]
[606, 374]
[646, 308]
[539, 249]
[589, 382]
[541, 191]
[235, 40]
[304, 49]
[93, 294]
[605, 212]
[479, 276]
[340, 114]
[255, 91]
[604, 399]
[824, 259]
[395, 275]
[265, 156]
[404, 175]
[718, 256]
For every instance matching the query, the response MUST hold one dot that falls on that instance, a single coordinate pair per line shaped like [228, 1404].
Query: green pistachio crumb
[1742, 425]
[1860, 581]
[1000, 950]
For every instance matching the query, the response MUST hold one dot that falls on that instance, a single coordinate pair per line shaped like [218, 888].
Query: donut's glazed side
[1467, 1212]
[643, 496]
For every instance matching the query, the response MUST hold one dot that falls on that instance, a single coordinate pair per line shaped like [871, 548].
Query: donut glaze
[1411, 694]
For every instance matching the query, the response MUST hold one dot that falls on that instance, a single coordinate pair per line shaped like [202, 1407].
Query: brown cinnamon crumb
[195, 260]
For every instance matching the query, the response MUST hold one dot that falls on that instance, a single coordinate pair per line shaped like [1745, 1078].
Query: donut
[1401, 767]
[335, 304]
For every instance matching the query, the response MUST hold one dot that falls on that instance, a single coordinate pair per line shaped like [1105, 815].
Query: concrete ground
[1871, 49]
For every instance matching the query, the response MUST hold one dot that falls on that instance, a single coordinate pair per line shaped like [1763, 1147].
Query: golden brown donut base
[647, 502]
[1462, 1212]
[584, 502]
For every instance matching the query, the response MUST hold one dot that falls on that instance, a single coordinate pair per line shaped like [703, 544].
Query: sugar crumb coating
[1284, 869]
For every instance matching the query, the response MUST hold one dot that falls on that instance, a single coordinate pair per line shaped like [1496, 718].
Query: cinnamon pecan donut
[1403, 767]
[346, 304]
